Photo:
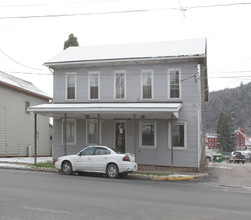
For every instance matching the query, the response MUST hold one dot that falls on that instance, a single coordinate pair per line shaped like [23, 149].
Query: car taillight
[126, 158]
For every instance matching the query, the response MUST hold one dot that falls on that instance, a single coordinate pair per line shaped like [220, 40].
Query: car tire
[112, 171]
[67, 168]
[243, 162]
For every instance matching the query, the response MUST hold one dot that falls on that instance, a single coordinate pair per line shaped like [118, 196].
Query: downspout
[65, 134]
[134, 138]
[172, 142]
[35, 138]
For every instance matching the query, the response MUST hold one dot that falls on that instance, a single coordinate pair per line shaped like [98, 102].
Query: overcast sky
[31, 34]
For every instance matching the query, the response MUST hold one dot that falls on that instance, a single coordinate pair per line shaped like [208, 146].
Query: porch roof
[115, 110]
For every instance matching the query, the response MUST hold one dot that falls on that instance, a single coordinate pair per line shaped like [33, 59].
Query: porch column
[134, 136]
[65, 134]
[99, 129]
[35, 138]
[172, 142]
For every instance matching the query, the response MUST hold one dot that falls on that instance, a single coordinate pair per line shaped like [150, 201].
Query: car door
[100, 159]
[84, 159]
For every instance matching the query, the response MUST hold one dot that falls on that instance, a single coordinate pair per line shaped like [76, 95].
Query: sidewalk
[25, 163]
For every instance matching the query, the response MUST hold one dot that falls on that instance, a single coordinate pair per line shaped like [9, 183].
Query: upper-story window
[174, 83]
[70, 86]
[119, 84]
[94, 85]
[147, 84]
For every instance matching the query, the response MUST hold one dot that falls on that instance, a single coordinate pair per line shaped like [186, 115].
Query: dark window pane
[178, 136]
[71, 93]
[147, 134]
[94, 92]
[147, 92]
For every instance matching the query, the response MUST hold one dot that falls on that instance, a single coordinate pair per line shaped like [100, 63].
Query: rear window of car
[102, 151]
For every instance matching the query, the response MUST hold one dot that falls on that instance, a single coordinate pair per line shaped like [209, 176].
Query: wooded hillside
[235, 102]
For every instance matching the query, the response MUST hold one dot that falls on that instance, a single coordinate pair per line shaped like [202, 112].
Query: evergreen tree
[225, 133]
[71, 42]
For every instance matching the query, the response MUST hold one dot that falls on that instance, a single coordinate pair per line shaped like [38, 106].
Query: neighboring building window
[148, 134]
[174, 83]
[70, 131]
[27, 105]
[70, 86]
[94, 85]
[147, 84]
[92, 131]
[119, 82]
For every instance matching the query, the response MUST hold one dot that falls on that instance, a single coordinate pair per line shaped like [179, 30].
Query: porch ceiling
[108, 110]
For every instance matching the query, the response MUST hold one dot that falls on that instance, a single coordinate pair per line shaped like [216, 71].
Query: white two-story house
[144, 98]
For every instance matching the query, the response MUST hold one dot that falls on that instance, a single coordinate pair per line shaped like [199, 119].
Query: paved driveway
[230, 174]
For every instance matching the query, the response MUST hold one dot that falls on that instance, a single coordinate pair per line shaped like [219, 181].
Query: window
[174, 83]
[88, 151]
[94, 85]
[70, 132]
[119, 84]
[102, 151]
[27, 105]
[70, 86]
[179, 136]
[147, 82]
[92, 131]
[148, 134]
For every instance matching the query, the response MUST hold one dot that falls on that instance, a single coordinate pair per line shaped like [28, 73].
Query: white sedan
[98, 159]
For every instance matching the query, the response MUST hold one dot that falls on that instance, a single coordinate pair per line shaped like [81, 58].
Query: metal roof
[21, 85]
[182, 48]
[112, 109]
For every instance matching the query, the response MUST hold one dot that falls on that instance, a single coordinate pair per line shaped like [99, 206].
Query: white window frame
[155, 135]
[87, 135]
[169, 84]
[66, 85]
[119, 72]
[142, 83]
[75, 131]
[89, 84]
[185, 135]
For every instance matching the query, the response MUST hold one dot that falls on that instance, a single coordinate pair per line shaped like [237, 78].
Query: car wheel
[243, 162]
[112, 171]
[67, 168]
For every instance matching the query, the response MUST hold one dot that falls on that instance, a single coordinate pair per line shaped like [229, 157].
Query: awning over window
[108, 110]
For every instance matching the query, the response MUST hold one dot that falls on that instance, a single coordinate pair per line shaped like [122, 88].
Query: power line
[20, 63]
[183, 9]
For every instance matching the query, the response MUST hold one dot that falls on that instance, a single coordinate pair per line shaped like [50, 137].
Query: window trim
[66, 85]
[86, 131]
[75, 131]
[185, 135]
[89, 84]
[155, 135]
[114, 87]
[169, 84]
[152, 81]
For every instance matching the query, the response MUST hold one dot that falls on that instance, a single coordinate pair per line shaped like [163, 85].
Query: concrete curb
[130, 176]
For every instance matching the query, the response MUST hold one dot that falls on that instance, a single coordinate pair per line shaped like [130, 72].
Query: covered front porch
[144, 129]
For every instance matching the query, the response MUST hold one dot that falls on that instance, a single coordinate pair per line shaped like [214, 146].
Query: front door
[120, 136]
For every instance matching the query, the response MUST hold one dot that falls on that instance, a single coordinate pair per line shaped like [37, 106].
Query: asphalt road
[39, 195]
[230, 174]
